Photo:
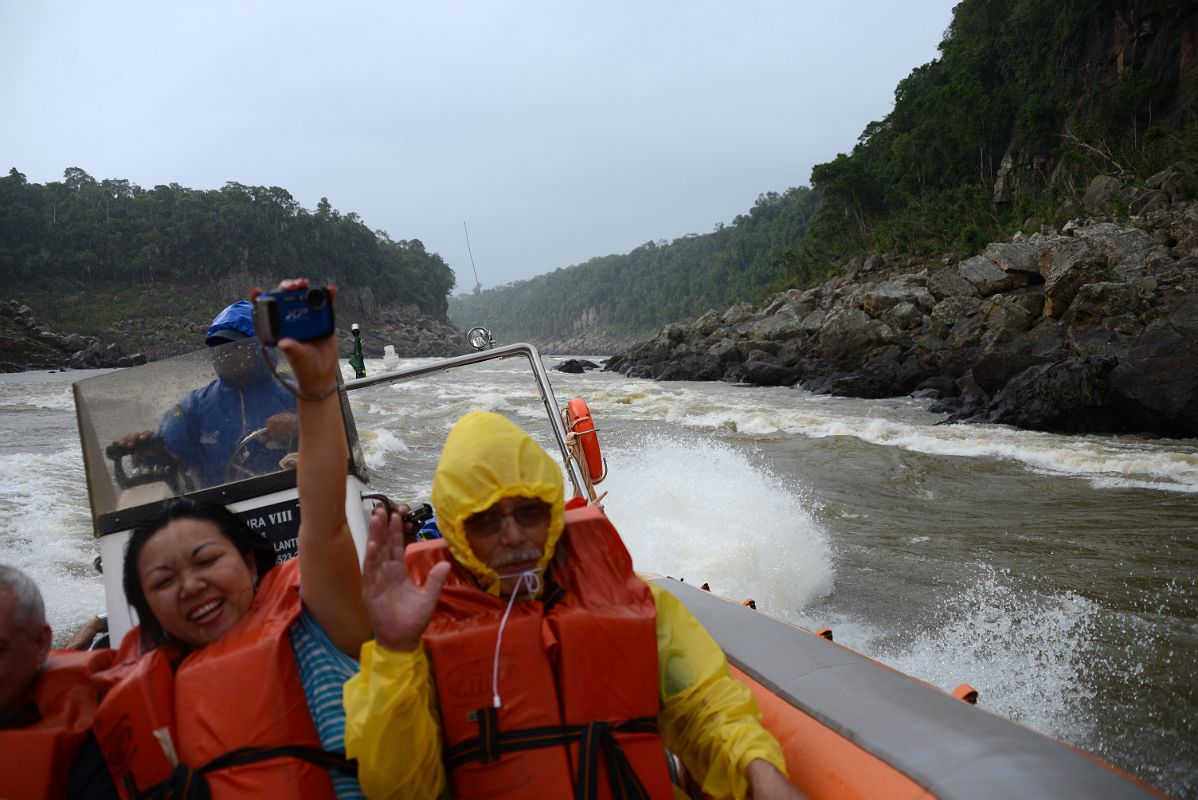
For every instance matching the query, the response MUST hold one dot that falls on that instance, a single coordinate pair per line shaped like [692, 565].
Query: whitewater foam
[707, 511]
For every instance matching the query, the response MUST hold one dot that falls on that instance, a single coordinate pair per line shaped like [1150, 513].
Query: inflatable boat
[850, 727]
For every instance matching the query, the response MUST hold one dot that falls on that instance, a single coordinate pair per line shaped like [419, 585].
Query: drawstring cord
[531, 579]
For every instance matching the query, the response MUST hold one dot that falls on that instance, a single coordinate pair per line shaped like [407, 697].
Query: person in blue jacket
[202, 431]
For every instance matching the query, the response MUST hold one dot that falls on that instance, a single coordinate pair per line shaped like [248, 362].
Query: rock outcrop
[1092, 327]
[26, 343]
[413, 334]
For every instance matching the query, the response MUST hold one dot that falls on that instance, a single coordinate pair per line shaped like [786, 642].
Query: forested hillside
[620, 296]
[1028, 101]
[86, 253]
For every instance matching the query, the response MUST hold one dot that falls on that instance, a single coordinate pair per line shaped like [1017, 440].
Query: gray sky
[556, 131]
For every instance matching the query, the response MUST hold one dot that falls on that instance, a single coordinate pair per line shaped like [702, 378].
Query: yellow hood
[485, 459]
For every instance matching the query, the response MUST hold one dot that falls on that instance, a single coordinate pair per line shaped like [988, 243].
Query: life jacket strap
[599, 738]
[188, 783]
[597, 742]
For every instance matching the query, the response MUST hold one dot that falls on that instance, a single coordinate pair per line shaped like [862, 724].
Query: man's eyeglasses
[529, 514]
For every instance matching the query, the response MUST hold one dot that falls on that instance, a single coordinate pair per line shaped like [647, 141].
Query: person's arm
[709, 718]
[82, 639]
[329, 577]
[391, 699]
[391, 727]
[767, 782]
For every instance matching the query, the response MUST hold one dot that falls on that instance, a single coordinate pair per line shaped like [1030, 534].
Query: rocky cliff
[1092, 326]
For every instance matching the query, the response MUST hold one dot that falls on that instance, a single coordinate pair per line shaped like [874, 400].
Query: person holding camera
[201, 433]
[521, 656]
[241, 660]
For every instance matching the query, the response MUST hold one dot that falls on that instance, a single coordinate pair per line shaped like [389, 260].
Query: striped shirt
[324, 669]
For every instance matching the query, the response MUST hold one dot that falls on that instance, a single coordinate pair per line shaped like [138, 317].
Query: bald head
[24, 636]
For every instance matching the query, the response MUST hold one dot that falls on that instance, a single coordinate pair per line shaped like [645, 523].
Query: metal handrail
[507, 351]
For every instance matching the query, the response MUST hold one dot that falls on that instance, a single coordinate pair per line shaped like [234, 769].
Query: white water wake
[705, 511]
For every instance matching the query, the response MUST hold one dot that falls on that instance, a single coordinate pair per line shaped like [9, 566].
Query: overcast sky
[557, 131]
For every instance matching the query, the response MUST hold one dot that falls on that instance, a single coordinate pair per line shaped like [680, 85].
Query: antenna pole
[478, 287]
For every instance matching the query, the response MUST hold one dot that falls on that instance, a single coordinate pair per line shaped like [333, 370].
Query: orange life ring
[583, 427]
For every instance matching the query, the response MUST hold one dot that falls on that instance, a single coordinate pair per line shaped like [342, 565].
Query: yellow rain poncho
[707, 717]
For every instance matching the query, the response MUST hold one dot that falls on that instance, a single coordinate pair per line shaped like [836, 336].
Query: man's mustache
[516, 556]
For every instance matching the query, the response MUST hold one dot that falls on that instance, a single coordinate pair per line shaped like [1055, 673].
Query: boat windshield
[206, 419]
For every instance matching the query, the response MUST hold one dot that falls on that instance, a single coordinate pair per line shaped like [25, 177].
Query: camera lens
[317, 298]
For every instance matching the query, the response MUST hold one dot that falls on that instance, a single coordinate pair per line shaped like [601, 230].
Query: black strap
[552, 594]
[336, 762]
[597, 742]
[187, 783]
[599, 737]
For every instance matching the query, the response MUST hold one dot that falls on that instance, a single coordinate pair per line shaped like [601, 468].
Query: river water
[1058, 575]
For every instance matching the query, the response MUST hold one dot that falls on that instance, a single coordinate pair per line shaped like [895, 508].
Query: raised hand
[399, 609]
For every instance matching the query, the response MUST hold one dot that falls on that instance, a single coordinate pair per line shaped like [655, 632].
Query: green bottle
[355, 359]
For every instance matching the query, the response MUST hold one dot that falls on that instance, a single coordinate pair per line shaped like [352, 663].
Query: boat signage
[279, 524]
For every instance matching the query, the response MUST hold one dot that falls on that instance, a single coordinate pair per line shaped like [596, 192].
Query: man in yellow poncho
[521, 656]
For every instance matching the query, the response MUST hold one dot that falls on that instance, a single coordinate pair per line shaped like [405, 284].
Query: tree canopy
[84, 233]
[657, 282]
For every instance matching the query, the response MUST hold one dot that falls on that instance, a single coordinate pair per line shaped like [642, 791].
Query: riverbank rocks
[1089, 328]
[26, 343]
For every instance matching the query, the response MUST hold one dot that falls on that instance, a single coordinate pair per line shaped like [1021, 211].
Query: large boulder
[1072, 396]
[1105, 193]
[784, 323]
[762, 372]
[1015, 257]
[1157, 382]
[944, 283]
[1179, 182]
[1067, 265]
[1125, 248]
[689, 368]
[878, 378]
[952, 310]
[987, 278]
[848, 334]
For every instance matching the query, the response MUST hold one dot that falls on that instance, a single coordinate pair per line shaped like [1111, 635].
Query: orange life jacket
[578, 677]
[241, 691]
[38, 757]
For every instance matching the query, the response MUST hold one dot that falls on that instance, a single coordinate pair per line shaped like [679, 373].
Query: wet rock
[1070, 397]
[762, 372]
[1157, 382]
[576, 366]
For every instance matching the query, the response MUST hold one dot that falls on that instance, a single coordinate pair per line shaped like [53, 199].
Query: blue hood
[236, 319]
